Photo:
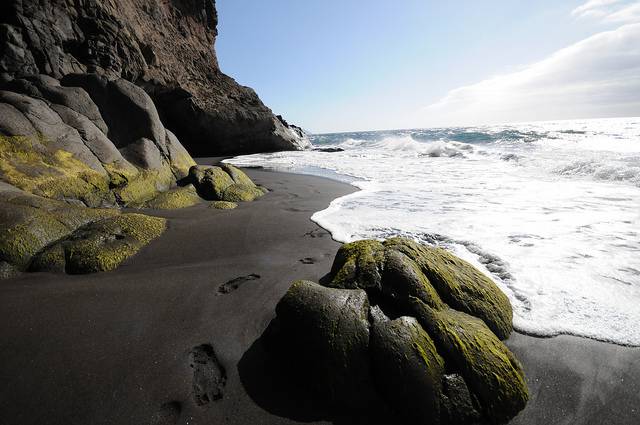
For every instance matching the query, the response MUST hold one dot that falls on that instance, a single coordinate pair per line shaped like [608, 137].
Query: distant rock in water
[329, 150]
[165, 47]
[406, 326]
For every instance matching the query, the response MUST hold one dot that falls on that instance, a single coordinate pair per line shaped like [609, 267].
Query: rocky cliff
[164, 46]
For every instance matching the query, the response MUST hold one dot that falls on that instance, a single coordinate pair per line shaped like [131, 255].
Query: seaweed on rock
[224, 183]
[429, 348]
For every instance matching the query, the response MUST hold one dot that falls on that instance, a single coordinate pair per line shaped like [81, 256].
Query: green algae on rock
[223, 205]
[99, 246]
[241, 193]
[88, 138]
[181, 197]
[237, 175]
[431, 274]
[36, 166]
[407, 368]
[327, 334]
[224, 183]
[439, 359]
[459, 284]
[28, 223]
[358, 265]
[489, 368]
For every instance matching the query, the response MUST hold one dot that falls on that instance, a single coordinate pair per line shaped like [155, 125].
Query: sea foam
[551, 211]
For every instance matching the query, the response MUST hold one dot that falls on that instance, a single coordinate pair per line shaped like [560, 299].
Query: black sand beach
[118, 347]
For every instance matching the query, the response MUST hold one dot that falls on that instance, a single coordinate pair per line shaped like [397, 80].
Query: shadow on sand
[279, 389]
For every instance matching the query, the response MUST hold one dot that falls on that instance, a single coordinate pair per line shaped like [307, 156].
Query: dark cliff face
[166, 47]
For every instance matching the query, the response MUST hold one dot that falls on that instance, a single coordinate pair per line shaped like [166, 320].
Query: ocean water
[550, 211]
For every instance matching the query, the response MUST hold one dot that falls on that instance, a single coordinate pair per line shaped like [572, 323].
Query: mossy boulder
[459, 284]
[492, 372]
[436, 325]
[181, 197]
[324, 333]
[99, 246]
[224, 183]
[241, 193]
[89, 139]
[358, 265]
[29, 223]
[430, 274]
[223, 205]
[211, 182]
[404, 279]
[237, 175]
[407, 369]
[35, 165]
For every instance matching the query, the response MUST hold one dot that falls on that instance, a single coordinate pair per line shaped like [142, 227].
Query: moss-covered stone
[181, 197]
[144, 186]
[459, 284]
[32, 164]
[407, 369]
[237, 175]
[402, 278]
[492, 372]
[358, 265]
[223, 205]
[100, 246]
[458, 310]
[324, 334]
[29, 223]
[224, 183]
[211, 182]
[241, 193]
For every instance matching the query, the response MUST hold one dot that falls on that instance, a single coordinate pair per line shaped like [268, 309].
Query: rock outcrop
[165, 47]
[87, 138]
[224, 183]
[406, 325]
[40, 234]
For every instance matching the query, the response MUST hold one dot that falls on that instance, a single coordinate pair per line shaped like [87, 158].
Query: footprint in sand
[209, 376]
[168, 414]
[316, 233]
[234, 284]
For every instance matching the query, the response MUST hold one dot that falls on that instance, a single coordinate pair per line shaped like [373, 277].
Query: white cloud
[596, 77]
[630, 13]
[619, 11]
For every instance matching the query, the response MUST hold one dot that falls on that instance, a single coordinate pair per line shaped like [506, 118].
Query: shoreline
[116, 346]
[216, 160]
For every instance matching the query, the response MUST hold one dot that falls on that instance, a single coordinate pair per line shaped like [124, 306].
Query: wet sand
[146, 343]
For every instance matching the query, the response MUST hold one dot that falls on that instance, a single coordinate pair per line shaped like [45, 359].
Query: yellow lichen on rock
[100, 246]
[224, 183]
[144, 186]
[241, 193]
[28, 223]
[181, 197]
[32, 165]
[223, 205]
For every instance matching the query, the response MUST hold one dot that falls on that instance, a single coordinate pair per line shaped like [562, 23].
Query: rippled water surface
[551, 211]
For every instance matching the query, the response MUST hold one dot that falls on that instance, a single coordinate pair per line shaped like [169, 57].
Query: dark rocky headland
[138, 285]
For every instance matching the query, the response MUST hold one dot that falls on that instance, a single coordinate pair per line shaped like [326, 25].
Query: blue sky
[376, 64]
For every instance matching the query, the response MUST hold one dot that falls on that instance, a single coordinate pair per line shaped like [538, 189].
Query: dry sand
[117, 347]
